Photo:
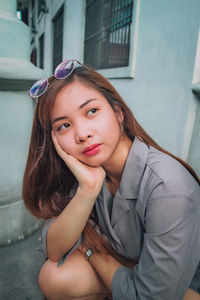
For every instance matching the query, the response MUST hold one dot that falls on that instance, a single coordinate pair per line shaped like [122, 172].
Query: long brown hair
[47, 180]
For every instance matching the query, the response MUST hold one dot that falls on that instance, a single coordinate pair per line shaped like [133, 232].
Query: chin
[93, 162]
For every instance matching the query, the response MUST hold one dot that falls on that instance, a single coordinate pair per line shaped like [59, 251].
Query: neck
[114, 167]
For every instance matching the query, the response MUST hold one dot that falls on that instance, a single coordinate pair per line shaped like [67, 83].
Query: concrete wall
[16, 111]
[160, 94]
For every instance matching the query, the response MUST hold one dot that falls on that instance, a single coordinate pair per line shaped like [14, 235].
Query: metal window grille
[58, 39]
[107, 33]
[41, 49]
[33, 21]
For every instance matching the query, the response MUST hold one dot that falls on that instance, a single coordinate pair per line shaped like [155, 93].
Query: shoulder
[164, 175]
[170, 171]
[168, 192]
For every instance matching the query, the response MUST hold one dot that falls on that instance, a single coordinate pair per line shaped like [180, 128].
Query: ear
[119, 114]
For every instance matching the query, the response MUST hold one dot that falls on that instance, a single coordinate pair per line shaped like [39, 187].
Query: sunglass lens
[64, 69]
[38, 88]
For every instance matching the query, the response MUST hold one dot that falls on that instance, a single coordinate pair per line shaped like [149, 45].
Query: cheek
[110, 127]
[66, 143]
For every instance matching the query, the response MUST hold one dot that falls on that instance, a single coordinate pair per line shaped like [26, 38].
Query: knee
[43, 278]
[75, 278]
[54, 283]
[47, 280]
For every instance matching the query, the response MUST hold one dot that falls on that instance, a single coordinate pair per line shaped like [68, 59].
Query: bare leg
[191, 295]
[85, 298]
[75, 279]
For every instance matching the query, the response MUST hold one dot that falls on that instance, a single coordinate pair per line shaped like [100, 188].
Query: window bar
[114, 38]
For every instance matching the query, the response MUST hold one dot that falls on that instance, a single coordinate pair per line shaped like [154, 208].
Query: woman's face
[85, 124]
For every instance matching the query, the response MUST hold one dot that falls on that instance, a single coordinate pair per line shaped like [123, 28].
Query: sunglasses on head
[63, 70]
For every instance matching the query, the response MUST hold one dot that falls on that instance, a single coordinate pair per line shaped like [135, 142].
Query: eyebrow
[86, 102]
[80, 107]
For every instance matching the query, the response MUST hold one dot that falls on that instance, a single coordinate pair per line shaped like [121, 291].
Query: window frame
[128, 71]
[33, 56]
[58, 12]
[41, 50]
[196, 75]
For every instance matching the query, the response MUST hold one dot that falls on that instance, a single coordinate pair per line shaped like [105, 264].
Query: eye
[63, 126]
[92, 111]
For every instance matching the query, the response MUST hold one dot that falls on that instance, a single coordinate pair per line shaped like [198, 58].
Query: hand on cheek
[89, 178]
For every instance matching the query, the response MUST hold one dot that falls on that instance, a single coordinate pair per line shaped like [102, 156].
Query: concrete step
[19, 268]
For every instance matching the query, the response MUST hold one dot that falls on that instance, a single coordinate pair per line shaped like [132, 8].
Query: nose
[82, 134]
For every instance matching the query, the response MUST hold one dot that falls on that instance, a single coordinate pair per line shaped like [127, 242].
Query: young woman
[122, 214]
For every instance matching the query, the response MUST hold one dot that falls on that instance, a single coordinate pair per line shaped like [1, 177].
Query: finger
[64, 155]
[83, 173]
[74, 164]
[57, 146]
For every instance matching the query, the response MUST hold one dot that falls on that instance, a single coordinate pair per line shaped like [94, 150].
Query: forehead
[76, 93]
[76, 87]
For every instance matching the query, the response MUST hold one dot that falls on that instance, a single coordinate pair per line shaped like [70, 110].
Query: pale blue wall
[16, 111]
[160, 94]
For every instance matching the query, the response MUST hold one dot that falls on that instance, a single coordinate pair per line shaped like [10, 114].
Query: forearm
[105, 266]
[67, 227]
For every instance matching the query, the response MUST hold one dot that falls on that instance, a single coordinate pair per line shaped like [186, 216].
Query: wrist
[85, 192]
[88, 253]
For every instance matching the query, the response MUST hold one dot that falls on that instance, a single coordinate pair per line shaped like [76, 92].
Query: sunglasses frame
[40, 82]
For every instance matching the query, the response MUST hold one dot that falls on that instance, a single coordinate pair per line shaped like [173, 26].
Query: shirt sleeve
[171, 247]
[45, 228]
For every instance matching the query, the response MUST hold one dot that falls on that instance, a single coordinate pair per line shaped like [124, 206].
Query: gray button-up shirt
[154, 218]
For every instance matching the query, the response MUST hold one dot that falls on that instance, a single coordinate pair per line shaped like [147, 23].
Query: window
[58, 39]
[41, 49]
[19, 14]
[22, 12]
[107, 33]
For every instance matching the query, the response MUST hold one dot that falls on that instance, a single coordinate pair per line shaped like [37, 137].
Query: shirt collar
[133, 170]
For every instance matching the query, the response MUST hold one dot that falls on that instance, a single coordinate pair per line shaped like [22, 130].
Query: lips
[92, 149]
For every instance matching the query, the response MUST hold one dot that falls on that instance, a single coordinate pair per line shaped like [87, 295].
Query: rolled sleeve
[123, 284]
[45, 228]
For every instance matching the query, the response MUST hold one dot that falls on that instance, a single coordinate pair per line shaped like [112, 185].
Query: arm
[67, 227]
[170, 252]
[106, 266]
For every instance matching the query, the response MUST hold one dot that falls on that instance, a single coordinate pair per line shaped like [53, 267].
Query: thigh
[83, 274]
[73, 279]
